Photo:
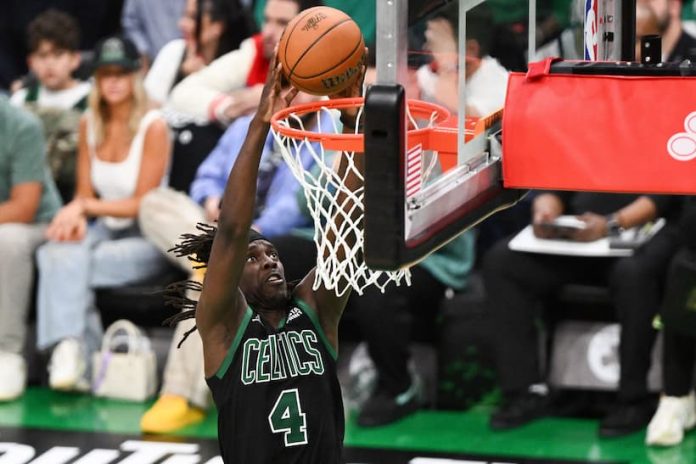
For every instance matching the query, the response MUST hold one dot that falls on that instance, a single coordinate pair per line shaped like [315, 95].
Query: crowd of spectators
[119, 138]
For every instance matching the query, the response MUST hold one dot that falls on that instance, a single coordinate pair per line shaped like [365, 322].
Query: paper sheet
[526, 241]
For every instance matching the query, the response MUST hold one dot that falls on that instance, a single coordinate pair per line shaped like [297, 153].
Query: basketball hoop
[323, 185]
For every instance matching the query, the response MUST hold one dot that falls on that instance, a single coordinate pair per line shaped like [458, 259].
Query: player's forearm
[238, 201]
[352, 173]
[351, 169]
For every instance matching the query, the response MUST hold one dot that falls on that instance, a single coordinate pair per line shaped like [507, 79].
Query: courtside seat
[584, 345]
[583, 302]
[582, 348]
[465, 357]
[142, 303]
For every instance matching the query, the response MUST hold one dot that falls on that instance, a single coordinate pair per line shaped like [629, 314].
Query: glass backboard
[456, 53]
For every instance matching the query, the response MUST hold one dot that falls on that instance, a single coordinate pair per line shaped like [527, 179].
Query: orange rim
[351, 142]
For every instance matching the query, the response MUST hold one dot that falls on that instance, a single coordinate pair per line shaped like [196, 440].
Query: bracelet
[613, 226]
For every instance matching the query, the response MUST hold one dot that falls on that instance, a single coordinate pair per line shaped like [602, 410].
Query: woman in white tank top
[94, 240]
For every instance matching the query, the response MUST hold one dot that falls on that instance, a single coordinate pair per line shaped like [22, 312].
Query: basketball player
[269, 346]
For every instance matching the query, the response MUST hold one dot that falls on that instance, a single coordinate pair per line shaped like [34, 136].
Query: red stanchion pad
[600, 132]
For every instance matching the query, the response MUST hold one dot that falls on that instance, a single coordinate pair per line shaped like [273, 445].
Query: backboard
[418, 199]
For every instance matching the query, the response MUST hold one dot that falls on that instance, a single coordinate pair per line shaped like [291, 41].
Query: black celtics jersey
[277, 393]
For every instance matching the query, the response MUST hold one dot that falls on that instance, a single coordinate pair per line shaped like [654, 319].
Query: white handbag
[126, 366]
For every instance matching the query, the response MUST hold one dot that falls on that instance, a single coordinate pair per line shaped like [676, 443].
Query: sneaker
[13, 376]
[170, 413]
[674, 415]
[521, 409]
[627, 418]
[382, 408]
[198, 274]
[67, 368]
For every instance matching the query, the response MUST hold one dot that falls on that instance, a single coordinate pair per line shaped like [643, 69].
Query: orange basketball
[321, 50]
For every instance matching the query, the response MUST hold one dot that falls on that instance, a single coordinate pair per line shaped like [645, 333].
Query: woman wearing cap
[94, 239]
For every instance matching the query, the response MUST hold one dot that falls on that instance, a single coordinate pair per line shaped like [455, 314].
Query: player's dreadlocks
[197, 248]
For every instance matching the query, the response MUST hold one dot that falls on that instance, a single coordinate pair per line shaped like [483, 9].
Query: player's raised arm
[328, 305]
[222, 304]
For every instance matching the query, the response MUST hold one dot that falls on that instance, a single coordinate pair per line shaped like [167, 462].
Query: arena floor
[46, 427]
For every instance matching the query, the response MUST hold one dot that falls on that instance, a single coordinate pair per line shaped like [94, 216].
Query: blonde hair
[100, 109]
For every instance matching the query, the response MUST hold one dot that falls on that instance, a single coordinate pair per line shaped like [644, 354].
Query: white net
[337, 211]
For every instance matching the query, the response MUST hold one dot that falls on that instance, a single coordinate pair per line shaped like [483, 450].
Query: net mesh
[337, 211]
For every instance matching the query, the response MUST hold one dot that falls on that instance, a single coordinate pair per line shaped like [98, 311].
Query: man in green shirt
[28, 201]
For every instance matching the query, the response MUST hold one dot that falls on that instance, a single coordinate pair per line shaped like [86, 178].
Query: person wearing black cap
[269, 346]
[123, 151]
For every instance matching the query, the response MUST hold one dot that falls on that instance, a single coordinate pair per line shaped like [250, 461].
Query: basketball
[321, 51]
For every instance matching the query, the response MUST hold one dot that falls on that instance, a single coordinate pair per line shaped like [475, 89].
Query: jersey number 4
[287, 417]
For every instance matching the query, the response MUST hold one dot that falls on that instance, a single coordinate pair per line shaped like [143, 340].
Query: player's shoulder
[303, 294]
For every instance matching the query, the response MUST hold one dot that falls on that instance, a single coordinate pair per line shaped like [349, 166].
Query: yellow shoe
[170, 413]
[199, 274]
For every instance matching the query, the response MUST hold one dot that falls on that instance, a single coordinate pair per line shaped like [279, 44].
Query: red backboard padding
[600, 133]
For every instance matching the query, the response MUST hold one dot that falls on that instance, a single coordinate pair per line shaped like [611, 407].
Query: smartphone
[565, 226]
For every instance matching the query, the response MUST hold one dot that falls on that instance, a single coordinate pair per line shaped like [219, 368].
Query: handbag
[126, 366]
[604, 127]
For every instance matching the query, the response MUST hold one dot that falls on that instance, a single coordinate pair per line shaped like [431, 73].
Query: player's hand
[356, 88]
[596, 228]
[274, 97]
